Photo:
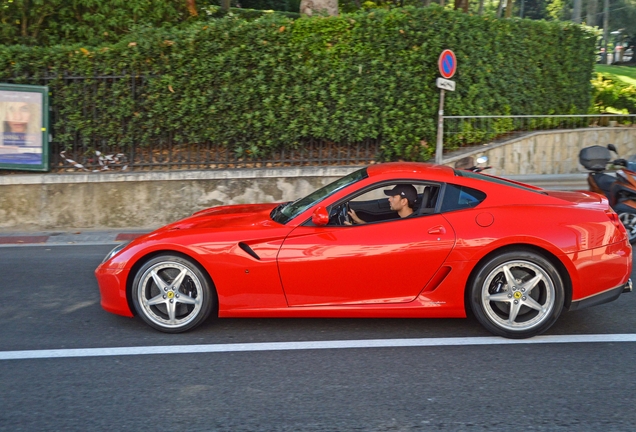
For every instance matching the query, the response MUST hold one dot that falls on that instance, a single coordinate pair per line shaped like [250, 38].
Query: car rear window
[498, 180]
[460, 197]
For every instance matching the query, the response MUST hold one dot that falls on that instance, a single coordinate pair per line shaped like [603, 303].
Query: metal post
[440, 129]
[605, 30]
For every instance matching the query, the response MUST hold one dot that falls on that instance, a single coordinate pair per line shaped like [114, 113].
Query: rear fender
[562, 266]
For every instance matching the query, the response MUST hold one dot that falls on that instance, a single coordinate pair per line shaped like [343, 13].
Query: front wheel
[517, 294]
[172, 294]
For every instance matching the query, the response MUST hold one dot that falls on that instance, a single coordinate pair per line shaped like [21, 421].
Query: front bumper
[112, 289]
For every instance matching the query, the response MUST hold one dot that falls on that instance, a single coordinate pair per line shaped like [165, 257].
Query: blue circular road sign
[447, 64]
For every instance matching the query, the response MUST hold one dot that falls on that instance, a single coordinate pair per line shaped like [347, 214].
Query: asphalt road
[50, 301]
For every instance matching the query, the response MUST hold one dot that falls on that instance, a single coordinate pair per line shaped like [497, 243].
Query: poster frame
[45, 131]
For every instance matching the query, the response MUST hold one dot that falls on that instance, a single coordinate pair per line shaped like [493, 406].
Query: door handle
[437, 230]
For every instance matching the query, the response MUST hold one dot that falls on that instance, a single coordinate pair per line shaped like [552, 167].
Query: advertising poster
[24, 127]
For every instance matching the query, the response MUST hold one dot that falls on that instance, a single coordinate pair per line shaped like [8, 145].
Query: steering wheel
[345, 214]
[342, 214]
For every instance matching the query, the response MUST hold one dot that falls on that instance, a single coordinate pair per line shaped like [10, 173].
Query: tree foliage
[276, 81]
[50, 22]
[613, 95]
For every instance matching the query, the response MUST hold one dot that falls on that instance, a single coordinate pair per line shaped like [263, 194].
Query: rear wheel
[517, 294]
[629, 221]
[172, 294]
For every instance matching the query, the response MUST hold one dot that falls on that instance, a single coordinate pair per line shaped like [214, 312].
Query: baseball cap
[404, 190]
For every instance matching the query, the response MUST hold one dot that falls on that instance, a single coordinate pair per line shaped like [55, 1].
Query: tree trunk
[576, 12]
[592, 7]
[461, 4]
[499, 8]
[508, 8]
[192, 7]
[225, 5]
[318, 7]
[481, 7]
[24, 22]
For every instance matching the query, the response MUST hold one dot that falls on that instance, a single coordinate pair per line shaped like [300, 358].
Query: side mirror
[320, 216]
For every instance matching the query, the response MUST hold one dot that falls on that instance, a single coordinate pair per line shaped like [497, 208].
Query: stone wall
[37, 202]
[144, 200]
[549, 152]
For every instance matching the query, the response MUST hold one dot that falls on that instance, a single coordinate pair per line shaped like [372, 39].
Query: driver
[402, 199]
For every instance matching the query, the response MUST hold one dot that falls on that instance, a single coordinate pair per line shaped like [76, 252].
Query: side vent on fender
[249, 250]
[437, 279]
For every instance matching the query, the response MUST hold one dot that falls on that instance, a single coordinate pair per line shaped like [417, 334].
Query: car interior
[373, 206]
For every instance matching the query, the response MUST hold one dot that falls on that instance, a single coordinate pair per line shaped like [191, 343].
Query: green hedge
[49, 22]
[276, 81]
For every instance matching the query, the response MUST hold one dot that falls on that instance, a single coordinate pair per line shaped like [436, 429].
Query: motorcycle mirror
[482, 159]
[612, 147]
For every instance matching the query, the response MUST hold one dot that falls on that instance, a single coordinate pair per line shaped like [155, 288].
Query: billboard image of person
[21, 128]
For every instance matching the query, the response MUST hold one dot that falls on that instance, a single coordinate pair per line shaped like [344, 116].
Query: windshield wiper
[278, 210]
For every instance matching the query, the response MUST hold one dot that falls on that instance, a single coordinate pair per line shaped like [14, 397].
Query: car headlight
[114, 252]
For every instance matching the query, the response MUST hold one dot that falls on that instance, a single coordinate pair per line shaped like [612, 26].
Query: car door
[382, 262]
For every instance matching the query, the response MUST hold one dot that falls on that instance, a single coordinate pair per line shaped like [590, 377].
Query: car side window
[460, 197]
[373, 204]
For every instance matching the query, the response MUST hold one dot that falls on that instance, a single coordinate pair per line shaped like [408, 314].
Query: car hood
[230, 216]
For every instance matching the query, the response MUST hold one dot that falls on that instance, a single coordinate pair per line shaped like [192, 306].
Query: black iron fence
[89, 137]
[97, 137]
[168, 155]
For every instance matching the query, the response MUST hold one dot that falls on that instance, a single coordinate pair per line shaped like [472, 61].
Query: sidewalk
[57, 238]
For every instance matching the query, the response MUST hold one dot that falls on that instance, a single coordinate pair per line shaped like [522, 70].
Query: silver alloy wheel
[518, 295]
[170, 294]
[629, 221]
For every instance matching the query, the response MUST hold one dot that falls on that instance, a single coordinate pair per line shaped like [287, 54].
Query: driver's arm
[354, 217]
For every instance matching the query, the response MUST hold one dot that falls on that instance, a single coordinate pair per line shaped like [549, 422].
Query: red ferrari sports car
[389, 240]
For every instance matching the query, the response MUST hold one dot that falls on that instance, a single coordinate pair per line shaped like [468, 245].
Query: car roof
[438, 172]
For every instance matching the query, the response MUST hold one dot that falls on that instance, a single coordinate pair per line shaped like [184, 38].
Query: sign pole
[447, 64]
[440, 129]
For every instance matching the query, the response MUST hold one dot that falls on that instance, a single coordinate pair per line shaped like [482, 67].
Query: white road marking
[289, 346]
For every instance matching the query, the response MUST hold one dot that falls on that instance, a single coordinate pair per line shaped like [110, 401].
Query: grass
[625, 73]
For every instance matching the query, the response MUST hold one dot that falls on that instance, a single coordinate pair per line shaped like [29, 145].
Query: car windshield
[285, 212]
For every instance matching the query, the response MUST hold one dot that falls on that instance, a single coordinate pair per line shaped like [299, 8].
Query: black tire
[171, 294]
[517, 294]
[629, 221]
